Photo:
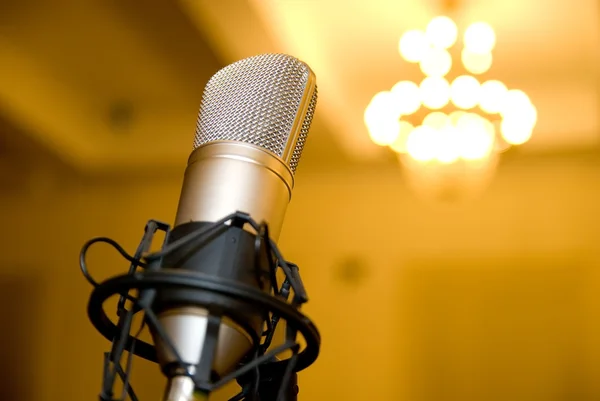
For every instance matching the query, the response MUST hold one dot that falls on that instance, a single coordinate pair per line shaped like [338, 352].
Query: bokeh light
[381, 106]
[476, 63]
[514, 131]
[407, 97]
[441, 32]
[435, 92]
[491, 96]
[399, 145]
[441, 137]
[385, 132]
[436, 120]
[519, 116]
[413, 45]
[421, 144]
[475, 141]
[435, 62]
[455, 116]
[479, 38]
[465, 92]
[448, 149]
[381, 118]
[514, 101]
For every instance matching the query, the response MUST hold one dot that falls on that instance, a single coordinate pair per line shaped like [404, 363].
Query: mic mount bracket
[260, 374]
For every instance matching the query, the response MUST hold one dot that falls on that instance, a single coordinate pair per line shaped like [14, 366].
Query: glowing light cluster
[447, 138]
[460, 134]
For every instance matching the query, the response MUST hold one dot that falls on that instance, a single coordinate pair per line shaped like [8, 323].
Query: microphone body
[252, 126]
[210, 297]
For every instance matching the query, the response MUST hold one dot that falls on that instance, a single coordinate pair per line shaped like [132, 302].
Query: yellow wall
[497, 300]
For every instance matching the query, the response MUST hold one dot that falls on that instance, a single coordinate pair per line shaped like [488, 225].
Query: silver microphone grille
[266, 100]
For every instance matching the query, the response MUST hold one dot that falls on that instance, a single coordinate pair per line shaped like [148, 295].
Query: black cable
[113, 358]
[249, 386]
[114, 244]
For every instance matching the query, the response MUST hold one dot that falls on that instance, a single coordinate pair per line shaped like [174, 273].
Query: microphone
[251, 129]
[210, 296]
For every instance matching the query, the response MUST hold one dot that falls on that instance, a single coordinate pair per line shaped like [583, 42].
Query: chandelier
[445, 124]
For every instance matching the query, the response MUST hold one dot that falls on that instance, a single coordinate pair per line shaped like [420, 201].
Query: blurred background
[481, 284]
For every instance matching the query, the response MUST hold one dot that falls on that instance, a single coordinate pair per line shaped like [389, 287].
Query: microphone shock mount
[246, 293]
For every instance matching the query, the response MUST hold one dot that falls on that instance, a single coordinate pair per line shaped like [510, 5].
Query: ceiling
[548, 49]
[109, 86]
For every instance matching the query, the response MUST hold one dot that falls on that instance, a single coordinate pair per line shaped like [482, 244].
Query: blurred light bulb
[381, 107]
[465, 91]
[519, 117]
[413, 45]
[489, 127]
[399, 145]
[455, 116]
[474, 141]
[435, 92]
[435, 62]
[480, 38]
[381, 118]
[514, 131]
[385, 132]
[421, 143]
[491, 96]
[408, 97]
[441, 32]
[515, 97]
[468, 121]
[514, 101]
[476, 63]
[448, 149]
[436, 120]
[382, 100]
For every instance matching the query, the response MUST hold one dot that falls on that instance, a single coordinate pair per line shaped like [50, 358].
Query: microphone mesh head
[267, 101]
